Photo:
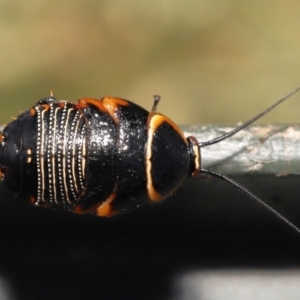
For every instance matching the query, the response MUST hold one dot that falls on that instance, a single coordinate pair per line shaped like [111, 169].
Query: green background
[211, 61]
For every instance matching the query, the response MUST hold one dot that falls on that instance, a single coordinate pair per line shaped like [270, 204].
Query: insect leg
[156, 100]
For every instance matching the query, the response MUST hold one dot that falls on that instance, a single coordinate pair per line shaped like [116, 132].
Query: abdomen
[105, 156]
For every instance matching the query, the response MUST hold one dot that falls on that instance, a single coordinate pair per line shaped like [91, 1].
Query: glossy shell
[104, 156]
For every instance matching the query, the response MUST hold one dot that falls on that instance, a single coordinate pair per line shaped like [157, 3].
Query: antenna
[237, 129]
[234, 183]
[257, 199]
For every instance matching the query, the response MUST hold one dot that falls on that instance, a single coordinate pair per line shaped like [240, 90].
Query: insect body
[104, 156]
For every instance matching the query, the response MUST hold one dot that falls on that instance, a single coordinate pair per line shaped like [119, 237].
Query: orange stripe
[105, 209]
[112, 105]
[155, 120]
[84, 102]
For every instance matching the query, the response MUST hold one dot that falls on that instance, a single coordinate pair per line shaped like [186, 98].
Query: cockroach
[104, 156]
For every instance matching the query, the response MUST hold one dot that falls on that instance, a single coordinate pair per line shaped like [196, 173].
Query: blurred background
[211, 61]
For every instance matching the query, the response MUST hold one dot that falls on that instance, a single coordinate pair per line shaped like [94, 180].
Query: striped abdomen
[60, 153]
[105, 156]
